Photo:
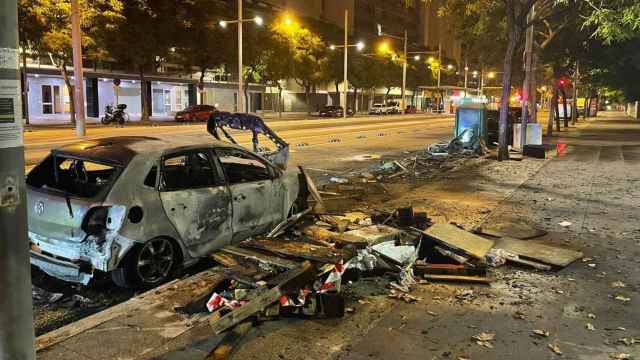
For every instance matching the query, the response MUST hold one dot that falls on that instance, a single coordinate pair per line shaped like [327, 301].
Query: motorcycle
[118, 116]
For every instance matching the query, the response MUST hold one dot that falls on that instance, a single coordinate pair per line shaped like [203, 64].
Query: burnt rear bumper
[64, 270]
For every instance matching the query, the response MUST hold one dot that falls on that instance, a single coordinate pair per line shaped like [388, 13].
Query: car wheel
[147, 265]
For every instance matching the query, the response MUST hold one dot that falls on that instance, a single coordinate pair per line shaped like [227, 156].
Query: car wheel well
[122, 275]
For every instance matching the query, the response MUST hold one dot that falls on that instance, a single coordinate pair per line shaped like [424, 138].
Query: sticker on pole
[10, 114]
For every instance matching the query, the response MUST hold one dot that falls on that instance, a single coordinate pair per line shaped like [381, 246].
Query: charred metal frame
[255, 124]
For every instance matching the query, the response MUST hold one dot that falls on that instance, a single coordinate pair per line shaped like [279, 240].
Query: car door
[257, 192]
[196, 200]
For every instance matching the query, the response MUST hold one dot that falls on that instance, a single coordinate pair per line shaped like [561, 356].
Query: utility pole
[574, 107]
[466, 71]
[78, 88]
[345, 87]
[16, 313]
[240, 107]
[528, 52]
[404, 73]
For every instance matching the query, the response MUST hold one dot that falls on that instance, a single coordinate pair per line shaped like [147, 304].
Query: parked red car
[195, 113]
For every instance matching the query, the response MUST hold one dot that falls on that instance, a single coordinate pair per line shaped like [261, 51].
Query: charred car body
[141, 207]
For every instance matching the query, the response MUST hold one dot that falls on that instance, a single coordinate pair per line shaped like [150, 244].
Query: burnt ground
[592, 184]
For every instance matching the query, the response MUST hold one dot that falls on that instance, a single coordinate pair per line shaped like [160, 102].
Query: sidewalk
[593, 184]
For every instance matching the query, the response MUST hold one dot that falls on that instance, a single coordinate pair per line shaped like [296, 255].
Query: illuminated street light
[223, 24]
[416, 57]
[466, 68]
[258, 20]
[384, 47]
[491, 75]
[332, 47]
[450, 67]
[430, 59]
[360, 45]
[475, 73]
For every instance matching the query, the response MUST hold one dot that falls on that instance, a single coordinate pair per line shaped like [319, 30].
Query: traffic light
[562, 82]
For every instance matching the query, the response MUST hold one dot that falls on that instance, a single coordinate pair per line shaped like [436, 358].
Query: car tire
[131, 275]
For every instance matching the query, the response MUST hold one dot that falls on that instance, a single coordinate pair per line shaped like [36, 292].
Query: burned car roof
[120, 150]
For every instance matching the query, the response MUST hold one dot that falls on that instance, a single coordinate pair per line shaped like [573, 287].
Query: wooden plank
[226, 260]
[319, 207]
[150, 298]
[260, 302]
[448, 269]
[225, 347]
[547, 254]
[511, 229]
[456, 238]
[260, 257]
[459, 278]
[301, 250]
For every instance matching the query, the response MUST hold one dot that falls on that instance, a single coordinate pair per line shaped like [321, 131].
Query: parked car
[379, 109]
[141, 207]
[393, 107]
[195, 113]
[331, 111]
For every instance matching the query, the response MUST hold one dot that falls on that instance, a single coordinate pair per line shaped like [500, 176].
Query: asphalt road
[313, 141]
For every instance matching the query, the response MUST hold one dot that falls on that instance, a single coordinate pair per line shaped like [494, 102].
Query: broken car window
[76, 177]
[241, 167]
[188, 171]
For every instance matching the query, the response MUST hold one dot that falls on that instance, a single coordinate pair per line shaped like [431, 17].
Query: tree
[46, 29]
[362, 74]
[30, 31]
[309, 55]
[614, 20]
[140, 39]
[199, 39]
[278, 62]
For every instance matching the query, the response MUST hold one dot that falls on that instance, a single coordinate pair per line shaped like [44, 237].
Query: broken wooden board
[225, 347]
[459, 239]
[448, 269]
[300, 250]
[260, 302]
[547, 254]
[511, 229]
[375, 234]
[260, 257]
[226, 260]
[319, 207]
[459, 278]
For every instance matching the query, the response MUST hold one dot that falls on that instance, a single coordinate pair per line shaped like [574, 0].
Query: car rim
[155, 260]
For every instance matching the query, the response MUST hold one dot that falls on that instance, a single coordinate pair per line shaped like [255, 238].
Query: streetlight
[359, 46]
[223, 24]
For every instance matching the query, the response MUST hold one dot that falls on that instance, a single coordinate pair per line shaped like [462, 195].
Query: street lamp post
[404, 62]
[78, 88]
[223, 23]
[345, 46]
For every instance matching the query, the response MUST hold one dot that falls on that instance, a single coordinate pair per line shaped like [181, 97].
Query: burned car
[141, 207]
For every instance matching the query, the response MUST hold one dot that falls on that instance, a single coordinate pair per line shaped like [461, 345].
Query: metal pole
[78, 88]
[240, 106]
[346, 49]
[440, 69]
[574, 106]
[404, 73]
[527, 78]
[16, 316]
[466, 70]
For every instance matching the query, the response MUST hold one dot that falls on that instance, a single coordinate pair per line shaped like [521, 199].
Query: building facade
[169, 91]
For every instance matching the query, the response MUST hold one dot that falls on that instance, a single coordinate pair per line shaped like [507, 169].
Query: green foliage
[199, 40]
[614, 20]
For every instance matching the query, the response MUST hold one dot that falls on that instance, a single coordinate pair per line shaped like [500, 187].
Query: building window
[47, 99]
